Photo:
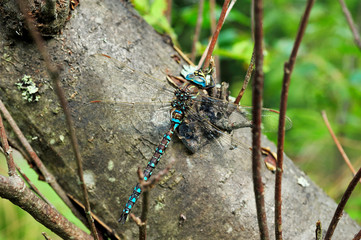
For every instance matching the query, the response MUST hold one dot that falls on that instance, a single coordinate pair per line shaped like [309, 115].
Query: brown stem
[288, 68]
[49, 178]
[352, 25]
[144, 216]
[340, 148]
[197, 30]
[206, 52]
[252, 19]
[246, 79]
[14, 189]
[357, 236]
[216, 33]
[339, 210]
[46, 236]
[256, 130]
[53, 73]
[318, 231]
[212, 13]
[7, 151]
[146, 186]
[168, 12]
[32, 186]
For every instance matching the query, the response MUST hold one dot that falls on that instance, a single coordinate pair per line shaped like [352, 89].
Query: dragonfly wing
[151, 86]
[270, 119]
[207, 120]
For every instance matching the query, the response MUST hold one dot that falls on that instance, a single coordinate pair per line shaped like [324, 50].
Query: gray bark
[212, 188]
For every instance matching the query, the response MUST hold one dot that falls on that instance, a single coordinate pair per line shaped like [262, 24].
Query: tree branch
[14, 189]
[256, 116]
[288, 68]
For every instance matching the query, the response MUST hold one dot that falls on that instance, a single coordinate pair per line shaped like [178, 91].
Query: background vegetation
[327, 76]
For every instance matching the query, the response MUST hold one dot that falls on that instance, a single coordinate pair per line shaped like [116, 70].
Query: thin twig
[144, 216]
[49, 178]
[340, 148]
[339, 210]
[214, 41]
[197, 30]
[357, 236]
[246, 79]
[7, 150]
[21, 150]
[14, 189]
[185, 58]
[168, 12]
[318, 231]
[353, 27]
[54, 75]
[32, 186]
[256, 130]
[46, 236]
[212, 13]
[216, 33]
[146, 186]
[288, 68]
[252, 19]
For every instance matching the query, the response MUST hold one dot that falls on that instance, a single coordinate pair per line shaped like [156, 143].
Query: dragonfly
[195, 116]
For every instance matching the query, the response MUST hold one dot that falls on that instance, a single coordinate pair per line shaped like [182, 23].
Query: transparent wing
[153, 82]
[146, 118]
[234, 113]
[211, 119]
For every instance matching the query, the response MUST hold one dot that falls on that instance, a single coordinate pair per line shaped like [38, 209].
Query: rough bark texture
[211, 188]
[22, 196]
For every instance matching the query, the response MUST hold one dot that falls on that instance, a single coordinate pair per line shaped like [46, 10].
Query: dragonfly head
[200, 79]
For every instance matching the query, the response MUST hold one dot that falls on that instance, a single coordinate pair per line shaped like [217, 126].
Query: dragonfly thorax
[181, 99]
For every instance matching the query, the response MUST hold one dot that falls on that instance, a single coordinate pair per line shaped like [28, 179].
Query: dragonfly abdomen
[176, 120]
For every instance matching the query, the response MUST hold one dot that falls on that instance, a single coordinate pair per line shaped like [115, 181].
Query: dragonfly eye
[196, 79]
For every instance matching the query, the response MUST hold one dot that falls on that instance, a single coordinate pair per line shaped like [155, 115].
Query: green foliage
[154, 14]
[326, 76]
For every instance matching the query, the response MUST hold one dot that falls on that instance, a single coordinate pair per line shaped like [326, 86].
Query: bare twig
[252, 19]
[353, 27]
[146, 186]
[14, 189]
[7, 150]
[49, 178]
[256, 130]
[357, 236]
[32, 186]
[46, 236]
[339, 210]
[340, 148]
[216, 33]
[207, 53]
[318, 231]
[144, 216]
[197, 30]
[246, 79]
[288, 68]
[185, 58]
[54, 75]
[212, 12]
[168, 12]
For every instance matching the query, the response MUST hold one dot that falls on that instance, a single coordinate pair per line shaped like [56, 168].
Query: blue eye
[190, 76]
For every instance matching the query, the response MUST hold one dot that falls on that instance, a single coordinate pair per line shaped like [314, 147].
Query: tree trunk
[212, 188]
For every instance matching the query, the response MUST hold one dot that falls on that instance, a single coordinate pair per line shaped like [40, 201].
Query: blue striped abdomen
[177, 118]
